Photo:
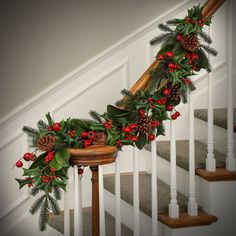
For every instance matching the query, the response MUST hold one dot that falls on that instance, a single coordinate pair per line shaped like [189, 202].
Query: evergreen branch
[120, 103]
[205, 37]
[96, 116]
[204, 61]
[57, 192]
[160, 38]
[126, 92]
[42, 125]
[173, 21]
[44, 214]
[32, 132]
[165, 28]
[34, 191]
[54, 205]
[37, 204]
[210, 50]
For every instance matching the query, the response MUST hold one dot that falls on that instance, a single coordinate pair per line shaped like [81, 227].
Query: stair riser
[220, 135]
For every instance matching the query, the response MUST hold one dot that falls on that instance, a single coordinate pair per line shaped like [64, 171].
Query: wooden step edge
[186, 220]
[221, 174]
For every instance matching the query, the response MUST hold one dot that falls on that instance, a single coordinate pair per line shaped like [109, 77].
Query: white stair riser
[220, 135]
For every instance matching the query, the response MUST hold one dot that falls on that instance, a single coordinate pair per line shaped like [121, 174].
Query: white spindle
[210, 160]
[78, 221]
[230, 160]
[101, 203]
[173, 206]
[136, 192]
[192, 204]
[67, 212]
[117, 196]
[154, 190]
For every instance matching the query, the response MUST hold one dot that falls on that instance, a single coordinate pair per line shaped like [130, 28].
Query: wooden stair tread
[221, 174]
[186, 220]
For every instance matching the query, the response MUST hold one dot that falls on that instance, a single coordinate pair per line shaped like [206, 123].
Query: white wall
[41, 41]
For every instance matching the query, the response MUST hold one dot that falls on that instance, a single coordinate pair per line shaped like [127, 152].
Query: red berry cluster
[71, 133]
[49, 157]
[119, 143]
[89, 137]
[27, 157]
[107, 124]
[194, 21]
[130, 132]
[186, 81]
[167, 55]
[55, 127]
[175, 115]
[172, 67]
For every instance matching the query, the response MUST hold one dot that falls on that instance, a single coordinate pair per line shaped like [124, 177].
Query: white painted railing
[117, 197]
[67, 212]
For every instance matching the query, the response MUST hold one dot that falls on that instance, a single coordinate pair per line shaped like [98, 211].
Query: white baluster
[173, 206]
[101, 203]
[136, 192]
[210, 160]
[67, 212]
[192, 204]
[117, 196]
[230, 160]
[78, 221]
[154, 189]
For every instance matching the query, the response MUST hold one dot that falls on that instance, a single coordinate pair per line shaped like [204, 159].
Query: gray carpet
[182, 149]
[220, 117]
[145, 192]
[57, 222]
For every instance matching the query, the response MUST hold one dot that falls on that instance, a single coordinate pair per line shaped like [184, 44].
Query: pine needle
[34, 191]
[126, 92]
[32, 132]
[37, 204]
[44, 215]
[160, 38]
[210, 50]
[42, 125]
[57, 192]
[96, 116]
[205, 37]
[165, 28]
[54, 205]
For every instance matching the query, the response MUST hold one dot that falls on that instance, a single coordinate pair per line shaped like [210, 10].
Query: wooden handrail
[210, 7]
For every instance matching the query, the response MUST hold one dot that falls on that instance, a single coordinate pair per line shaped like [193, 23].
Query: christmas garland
[141, 120]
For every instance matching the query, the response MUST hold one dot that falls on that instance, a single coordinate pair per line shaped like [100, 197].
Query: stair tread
[219, 117]
[126, 180]
[182, 147]
[57, 222]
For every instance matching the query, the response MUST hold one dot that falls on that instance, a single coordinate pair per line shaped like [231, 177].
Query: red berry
[194, 22]
[135, 139]
[187, 20]
[202, 20]
[141, 112]
[27, 156]
[202, 24]
[169, 107]
[179, 37]
[171, 65]
[80, 171]
[84, 134]
[188, 55]
[194, 56]
[56, 127]
[169, 54]
[150, 99]
[160, 57]
[126, 129]
[151, 137]
[134, 127]
[174, 117]
[155, 123]
[49, 128]
[52, 170]
[177, 113]
[29, 185]
[19, 164]
[119, 143]
[166, 92]
[190, 62]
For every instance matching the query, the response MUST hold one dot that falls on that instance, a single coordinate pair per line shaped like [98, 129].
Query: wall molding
[14, 114]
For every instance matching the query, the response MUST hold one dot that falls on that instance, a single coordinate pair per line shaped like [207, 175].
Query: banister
[210, 7]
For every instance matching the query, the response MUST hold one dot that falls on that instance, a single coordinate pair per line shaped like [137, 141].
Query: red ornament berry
[52, 170]
[194, 57]
[166, 92]
[187, 20]
[27, 156]
[49, 128]
[151, 137]
[155, 123]
[150, 100]
[190, 62]
[134, 127]
[141, 112]
[179, 37]
[202, 20]
[29, 185]
[169, 107]
[202, 24]
[169, 54]
[174, 117]
[84, 134]
[135, 139]
[19, 164]
[171, 65]
[163, 101]
[160, 57]
[194, 22]
[119, 143]
[188, 55]
[56, 127]
[80, 171]
[177, 113]
[126, 129]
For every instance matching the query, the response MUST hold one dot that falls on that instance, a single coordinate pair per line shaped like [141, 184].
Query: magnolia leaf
[142, 140]
[53, 163]
[38, 161]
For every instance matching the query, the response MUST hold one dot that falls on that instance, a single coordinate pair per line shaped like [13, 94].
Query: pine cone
[100, 138]
[46, 143]
[190, 42]
[144, 125]
[174, 92]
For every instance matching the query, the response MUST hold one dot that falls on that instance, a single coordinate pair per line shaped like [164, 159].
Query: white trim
[15, 113]
[8, 140]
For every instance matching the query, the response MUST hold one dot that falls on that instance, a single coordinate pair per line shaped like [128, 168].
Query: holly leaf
[61, 184]
[142, 140]
[38, 161]
[31, 172]
[23, 182]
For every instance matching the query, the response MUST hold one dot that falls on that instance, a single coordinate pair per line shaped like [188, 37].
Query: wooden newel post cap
[93, 155]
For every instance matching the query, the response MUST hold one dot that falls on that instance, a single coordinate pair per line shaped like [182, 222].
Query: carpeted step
[144, 191]
[220, 117]
[182, 149]
[57, 222]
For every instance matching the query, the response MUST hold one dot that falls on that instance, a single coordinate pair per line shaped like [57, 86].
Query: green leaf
[53, 163]
[114, 112]
[60, 184]
[23, 182]
[142, 140]
[31, 172]
[62, 157]
[38, 161]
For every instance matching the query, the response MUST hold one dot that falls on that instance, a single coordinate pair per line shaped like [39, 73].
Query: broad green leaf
[142, 140]
[53, 163]
[60, 184]
[38, 161]
[23, 182]
[62, 157]
[31, 172]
